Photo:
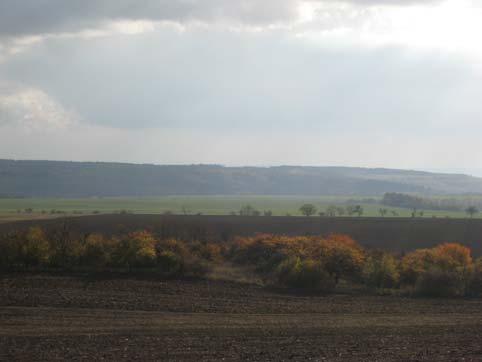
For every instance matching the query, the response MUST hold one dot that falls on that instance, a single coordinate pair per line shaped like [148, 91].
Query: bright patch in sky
[453, 26]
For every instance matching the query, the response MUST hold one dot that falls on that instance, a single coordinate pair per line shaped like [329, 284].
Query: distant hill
[88, 179]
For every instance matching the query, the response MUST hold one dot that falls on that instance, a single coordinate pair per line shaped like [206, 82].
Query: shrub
[264, 251]
[339, 255]
[170, 263]
[137, 249]
[453, 257]
[381, 271]
[303, 274]
[34, 248]
[10, 245]
[208, 251]
[475, 285]
[98, 251]
[440, 283]
[441, 271]
[66, 250]
[414, 264]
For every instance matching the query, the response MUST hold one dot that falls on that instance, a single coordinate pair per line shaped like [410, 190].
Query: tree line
[415, 203]
[318, 263]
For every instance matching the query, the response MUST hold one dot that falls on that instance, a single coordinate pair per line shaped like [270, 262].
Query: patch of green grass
[207, 205]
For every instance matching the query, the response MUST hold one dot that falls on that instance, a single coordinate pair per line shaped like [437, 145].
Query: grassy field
[12, 209]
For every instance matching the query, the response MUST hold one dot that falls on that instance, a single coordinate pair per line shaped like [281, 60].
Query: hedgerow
[298, 262]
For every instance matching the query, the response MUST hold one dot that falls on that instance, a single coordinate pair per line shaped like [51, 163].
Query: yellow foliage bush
[381, 270]
[34, 248]
[137, 249]
[98, 251]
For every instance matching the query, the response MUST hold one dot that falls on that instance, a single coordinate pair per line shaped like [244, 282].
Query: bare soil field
[48, 317]
[390, 234]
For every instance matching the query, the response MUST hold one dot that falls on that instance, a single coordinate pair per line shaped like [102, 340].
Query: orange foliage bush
[339, 255]
[445, 270]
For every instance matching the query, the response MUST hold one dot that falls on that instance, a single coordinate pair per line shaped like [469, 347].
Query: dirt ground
[52, 318]
[390, 234]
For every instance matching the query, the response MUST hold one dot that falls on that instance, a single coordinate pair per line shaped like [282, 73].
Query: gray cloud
[24, 17]
[218, 80]
[27, 17]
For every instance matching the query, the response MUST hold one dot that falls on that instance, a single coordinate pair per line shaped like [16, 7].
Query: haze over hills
[89, 179]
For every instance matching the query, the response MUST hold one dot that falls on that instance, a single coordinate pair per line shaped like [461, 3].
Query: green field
[206, 205]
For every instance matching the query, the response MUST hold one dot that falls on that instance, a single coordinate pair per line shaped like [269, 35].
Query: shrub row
[311, 262]
[137, 250]
[303, 262]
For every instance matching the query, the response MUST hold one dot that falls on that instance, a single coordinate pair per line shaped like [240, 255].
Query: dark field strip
[59, 318]
[156, 335]
[391, 234]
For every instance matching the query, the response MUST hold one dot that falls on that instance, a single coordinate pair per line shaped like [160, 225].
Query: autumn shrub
[265, 251]
[136, 249]
[170, 263]
[9, 250]
[33, 248]
[414, 264]
[437, 282]
[381, 271]
[303, 274]
[336, 256]
[475, 285]
[66, 249]
[98, 251]
[195, 266]
[212, 252]
[445, 270]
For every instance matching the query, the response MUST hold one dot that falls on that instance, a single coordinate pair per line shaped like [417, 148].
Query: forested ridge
[91, 179]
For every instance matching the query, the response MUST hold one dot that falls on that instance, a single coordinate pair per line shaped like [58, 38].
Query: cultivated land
[389, 234]
[15, 209]
[229, 314]
[91, 318]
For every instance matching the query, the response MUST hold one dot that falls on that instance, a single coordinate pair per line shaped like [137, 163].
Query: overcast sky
[375, 83]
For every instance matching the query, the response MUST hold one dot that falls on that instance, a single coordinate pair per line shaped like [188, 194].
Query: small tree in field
[358, 210]
[308, 209]
[354, 210]
[331, 211]
[248, 210]
[471, 211]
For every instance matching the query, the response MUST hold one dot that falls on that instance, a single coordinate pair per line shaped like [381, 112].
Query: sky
[369, 83]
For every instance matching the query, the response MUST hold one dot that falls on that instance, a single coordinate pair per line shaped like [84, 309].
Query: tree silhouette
[471, 211]
[308, 209]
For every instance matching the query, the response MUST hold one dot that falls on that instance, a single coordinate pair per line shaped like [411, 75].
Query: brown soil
[392, 234]
[77, 318]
